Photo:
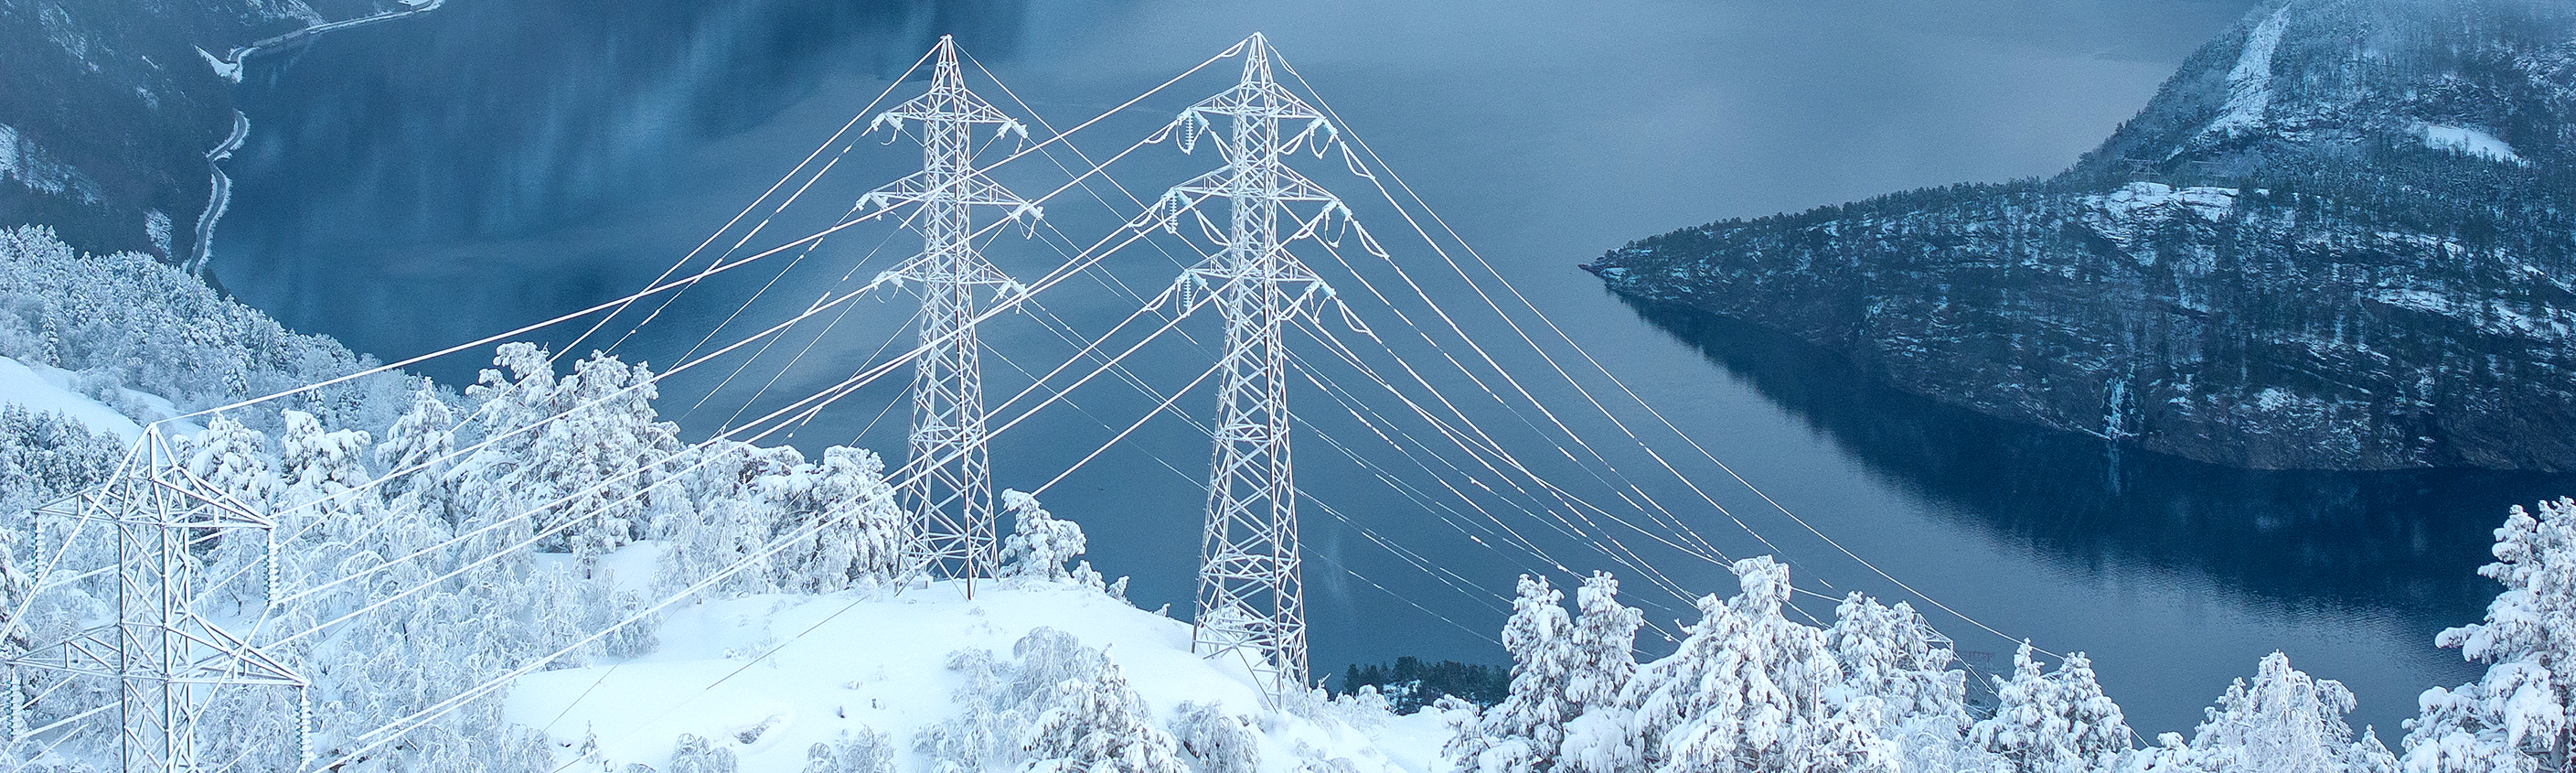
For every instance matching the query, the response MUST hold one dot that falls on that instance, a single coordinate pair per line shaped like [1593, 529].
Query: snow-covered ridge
[2135, 208]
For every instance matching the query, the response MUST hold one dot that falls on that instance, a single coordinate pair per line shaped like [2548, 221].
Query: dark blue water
[418, 184]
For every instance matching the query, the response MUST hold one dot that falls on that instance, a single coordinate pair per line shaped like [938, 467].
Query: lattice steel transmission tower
[950, 489]
[166, 659]
[1251, 599]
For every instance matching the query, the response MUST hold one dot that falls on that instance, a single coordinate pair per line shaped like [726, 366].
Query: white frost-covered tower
[949, 484]
[1251, 600]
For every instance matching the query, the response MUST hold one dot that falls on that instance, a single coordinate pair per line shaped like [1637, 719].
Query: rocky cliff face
[2343, 236]
[107, 109]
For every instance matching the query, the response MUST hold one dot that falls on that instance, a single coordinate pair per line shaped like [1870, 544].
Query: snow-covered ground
[2464, 140]
[46, 388]
[770, 676]
[2249, 85]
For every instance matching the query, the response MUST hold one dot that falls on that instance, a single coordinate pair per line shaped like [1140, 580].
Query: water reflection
[2404, 541]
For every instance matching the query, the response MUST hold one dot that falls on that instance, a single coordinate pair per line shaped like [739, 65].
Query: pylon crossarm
[216, 507]
[936, 270]
[974, 189]
[234, 656]
[81, 505]
[91, 653]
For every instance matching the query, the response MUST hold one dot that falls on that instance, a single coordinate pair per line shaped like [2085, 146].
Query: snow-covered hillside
[48, 388]
[766, 678]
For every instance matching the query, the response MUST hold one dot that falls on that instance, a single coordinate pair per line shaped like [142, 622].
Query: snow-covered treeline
[1751, 690]
[128, 326]
[126, 320]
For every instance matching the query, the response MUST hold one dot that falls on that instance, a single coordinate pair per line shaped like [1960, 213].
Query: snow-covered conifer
[1526, 730]
[416, 448]
[2171, 754]
[2515, 717]
[982, 697]
[1892, 653]
[1465, 722]
[866, 751]
[1216, 741]
[235, 459]
[1098, 726]
[1605, 642]
[2283, 722]
[2055, 722]
[694, 754]
[1597, 737]
[1040, 543]
[858, 526]
[1749, 690]
[326, 477]
[602, 457]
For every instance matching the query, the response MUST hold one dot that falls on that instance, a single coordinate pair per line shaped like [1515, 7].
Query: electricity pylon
[167, 660]
[1251, 599]
[949, 479]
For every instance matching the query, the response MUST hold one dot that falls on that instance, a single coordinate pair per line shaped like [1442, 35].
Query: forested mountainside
[111, 107]
[2341, 236]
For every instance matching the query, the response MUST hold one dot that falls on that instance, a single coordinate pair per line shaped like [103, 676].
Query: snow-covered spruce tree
[1040, 543]
[235, 460]
[1605, 644]
[866, 751]
[324, 472]
[693, 754]
[1749, 690]
[1524, 733]
[1055, 705]
[1893, 654]
[2514, 719]
[603, 456]
[2058, 722]
[1597, 738]
[1097, 726]
[2284, 722]
[736, 504]
[859, 530]
[415, 453]
[966, 741]
[1216, 741]
[586, 451]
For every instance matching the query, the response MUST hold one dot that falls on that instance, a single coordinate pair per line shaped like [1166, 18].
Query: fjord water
[413, 185]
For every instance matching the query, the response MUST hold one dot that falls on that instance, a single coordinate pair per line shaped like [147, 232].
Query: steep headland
[2339, 237]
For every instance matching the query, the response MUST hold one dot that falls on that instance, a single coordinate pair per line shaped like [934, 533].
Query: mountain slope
[111, 106]
[2340, 237]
